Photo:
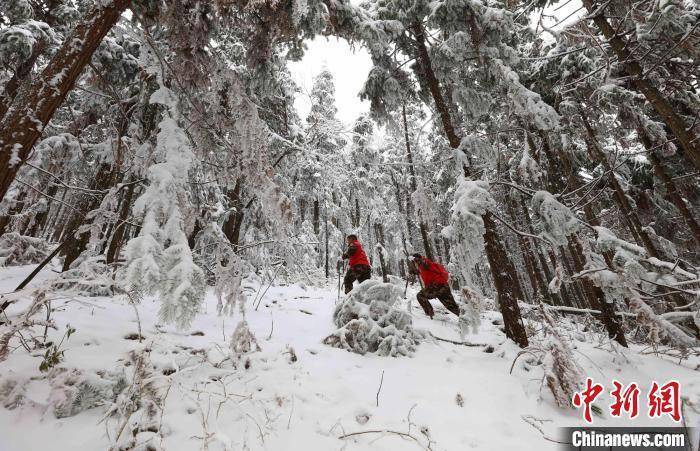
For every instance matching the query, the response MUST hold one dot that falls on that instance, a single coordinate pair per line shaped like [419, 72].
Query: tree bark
[628, 213]
[317, 218]
[502, 269]
[427, 248]
[434, 86]
[232, 225]
[505, 280]
[689, 143]
[597, 298]
[37, 102]
[119, 231]
[671, 191]
[379, 232]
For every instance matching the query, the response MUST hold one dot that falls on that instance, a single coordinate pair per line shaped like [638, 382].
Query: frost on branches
[16, 249]
[368, 322]
[466, 229]
[554, 219]
[659, 329]
[159, 260]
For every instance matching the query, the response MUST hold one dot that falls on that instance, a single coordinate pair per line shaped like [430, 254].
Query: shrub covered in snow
[89, 277]
[16, 249]
[73, 391]
[368, 322]
[243, 341]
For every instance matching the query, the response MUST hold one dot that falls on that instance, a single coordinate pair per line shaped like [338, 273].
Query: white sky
[349, 67]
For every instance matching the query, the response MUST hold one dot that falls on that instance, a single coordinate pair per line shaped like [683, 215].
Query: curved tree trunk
[37, 102]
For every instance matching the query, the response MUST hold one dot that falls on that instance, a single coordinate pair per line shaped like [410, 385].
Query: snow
[297, 393]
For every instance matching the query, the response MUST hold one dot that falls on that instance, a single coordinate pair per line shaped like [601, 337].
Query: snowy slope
[298, 394]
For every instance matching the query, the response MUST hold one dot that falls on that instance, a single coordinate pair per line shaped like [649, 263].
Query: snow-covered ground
[299, 394]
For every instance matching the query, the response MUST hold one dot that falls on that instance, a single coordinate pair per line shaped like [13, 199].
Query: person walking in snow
[358, 268]
[435, 285]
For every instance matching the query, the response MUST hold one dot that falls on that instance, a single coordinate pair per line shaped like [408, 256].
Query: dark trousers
[357, 272]
[441, 292]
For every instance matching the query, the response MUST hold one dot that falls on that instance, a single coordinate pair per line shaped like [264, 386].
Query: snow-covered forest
[174, 231]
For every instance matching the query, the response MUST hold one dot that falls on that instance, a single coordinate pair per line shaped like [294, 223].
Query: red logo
[662, 400]
[626, 400]
[586, 398]
[665, 400]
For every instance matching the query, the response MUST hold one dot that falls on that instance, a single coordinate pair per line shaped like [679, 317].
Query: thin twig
[380, 387]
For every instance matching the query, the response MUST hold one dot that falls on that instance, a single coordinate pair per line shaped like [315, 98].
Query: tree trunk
[23, 72]
[434, 86]
[325, 218]
[317, 218]
[505, 280]
[671, 191]
[39, 223]
[533, 273]
[232, 225]
[689, 143]
[119, 231]
[356, 219]
[35, 105]
[379, 232]
[302, 209]
[597, 297]
[504, 276]
[427, 248]
[107, 175]
[631, 218]
[16, 208]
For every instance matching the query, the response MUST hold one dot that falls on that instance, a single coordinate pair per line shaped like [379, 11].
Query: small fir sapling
[159, 260]
[563, 374]
[243, 342]
[74, 391]
[137, 408]
[88, 276]
[470, 311]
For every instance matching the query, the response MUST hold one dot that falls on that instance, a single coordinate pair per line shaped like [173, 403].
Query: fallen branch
[529, 419]
[387, 431]
[583, 311]
[460, 343]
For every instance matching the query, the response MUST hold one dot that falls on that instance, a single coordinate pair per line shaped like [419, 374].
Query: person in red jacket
[435, 285]
[358, 268]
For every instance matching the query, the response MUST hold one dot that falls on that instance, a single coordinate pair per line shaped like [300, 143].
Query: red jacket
[432, 273]
[356, 254]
